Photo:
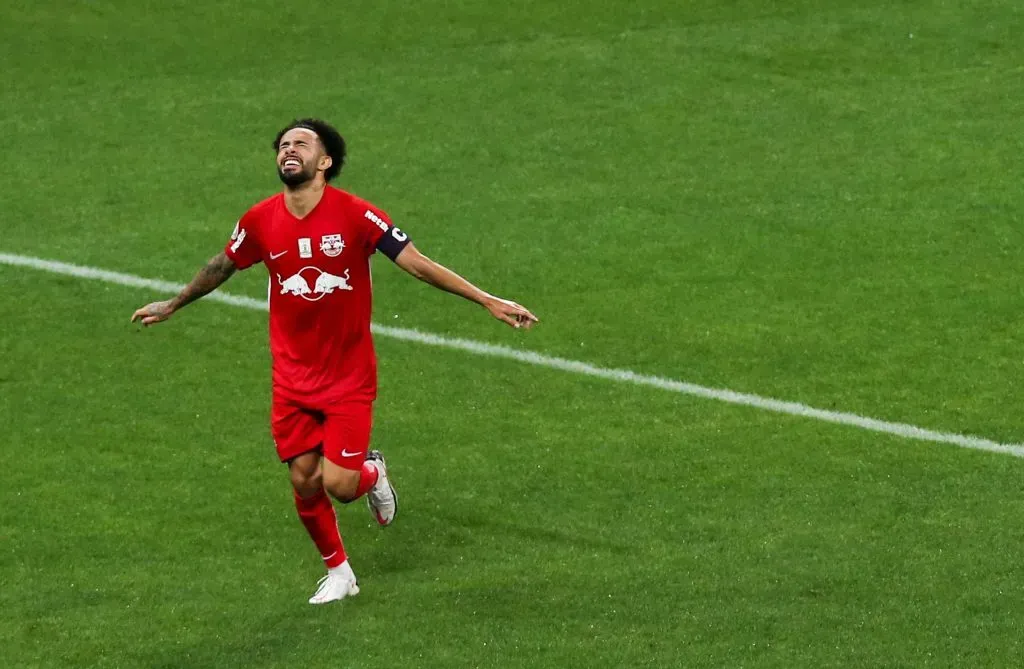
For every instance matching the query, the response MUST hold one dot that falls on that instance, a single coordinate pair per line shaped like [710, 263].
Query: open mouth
[291, 162]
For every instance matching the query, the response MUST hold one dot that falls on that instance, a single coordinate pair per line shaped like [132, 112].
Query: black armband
[392, 242]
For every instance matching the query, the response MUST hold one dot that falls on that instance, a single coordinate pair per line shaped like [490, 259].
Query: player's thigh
[296, 430]
[346, 431]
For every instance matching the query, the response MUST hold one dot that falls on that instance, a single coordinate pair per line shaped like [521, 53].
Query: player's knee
[306, 483]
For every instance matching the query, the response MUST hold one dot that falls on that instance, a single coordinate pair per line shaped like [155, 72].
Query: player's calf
[348, 485]
[342, 484]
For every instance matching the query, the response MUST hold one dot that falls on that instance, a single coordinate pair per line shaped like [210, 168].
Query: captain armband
[392, 242]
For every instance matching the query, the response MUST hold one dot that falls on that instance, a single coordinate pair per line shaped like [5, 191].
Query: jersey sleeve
[379, 233]
[244, 248]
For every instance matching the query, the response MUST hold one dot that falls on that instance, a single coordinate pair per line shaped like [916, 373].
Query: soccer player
[316, 242]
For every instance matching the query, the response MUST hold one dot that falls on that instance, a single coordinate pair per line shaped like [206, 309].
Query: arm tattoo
[216, 272]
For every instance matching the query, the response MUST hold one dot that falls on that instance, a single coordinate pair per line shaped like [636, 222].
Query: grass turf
[813, 201]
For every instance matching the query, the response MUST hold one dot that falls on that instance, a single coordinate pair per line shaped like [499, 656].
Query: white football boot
[339, 583]
[382, 499]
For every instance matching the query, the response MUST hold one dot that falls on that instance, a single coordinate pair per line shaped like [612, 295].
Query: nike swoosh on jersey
[275, 256]
[346, 454]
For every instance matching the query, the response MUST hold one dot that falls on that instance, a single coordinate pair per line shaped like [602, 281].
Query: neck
[301, 199]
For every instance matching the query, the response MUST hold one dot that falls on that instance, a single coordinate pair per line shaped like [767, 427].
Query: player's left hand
[514, 314]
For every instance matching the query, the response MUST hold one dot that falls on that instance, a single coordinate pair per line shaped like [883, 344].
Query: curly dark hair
[330, 138]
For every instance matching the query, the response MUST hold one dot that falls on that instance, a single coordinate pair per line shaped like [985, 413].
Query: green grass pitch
[817, 201]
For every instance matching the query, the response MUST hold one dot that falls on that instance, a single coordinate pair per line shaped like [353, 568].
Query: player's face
[300, 156]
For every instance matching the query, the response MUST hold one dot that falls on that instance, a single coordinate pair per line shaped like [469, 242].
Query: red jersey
[320, 297]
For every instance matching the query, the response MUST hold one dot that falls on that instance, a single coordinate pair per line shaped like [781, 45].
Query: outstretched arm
[439, 276]
[216, 272]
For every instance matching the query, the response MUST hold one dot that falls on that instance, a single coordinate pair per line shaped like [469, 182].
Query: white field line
[540, 360]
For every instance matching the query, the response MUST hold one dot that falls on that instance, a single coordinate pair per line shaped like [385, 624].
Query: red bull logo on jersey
[332, 245]
[323, 283]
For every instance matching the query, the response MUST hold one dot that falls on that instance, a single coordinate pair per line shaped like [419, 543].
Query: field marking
[540, 360]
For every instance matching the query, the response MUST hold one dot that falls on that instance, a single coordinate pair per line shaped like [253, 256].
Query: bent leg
[347, 474]
[350, 469]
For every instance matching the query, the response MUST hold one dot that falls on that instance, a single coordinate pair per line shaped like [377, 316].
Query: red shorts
[340, 429]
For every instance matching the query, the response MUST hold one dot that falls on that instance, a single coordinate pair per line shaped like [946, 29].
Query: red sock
[317, 514]
[367, 477]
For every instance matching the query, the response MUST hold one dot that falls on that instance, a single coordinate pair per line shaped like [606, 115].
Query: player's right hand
[153, 312]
